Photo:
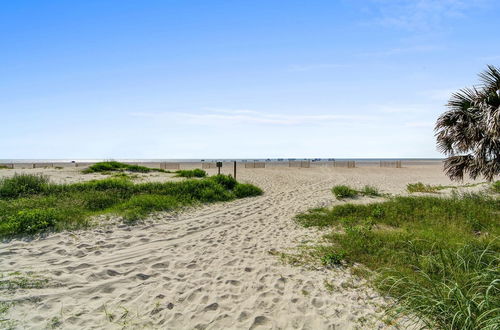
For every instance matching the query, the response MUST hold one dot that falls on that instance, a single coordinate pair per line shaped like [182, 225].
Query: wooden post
[235, 170]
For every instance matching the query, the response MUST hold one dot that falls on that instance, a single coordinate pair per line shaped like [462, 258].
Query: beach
[211, 267]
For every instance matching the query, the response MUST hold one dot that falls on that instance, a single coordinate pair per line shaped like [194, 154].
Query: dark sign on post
[219, 165]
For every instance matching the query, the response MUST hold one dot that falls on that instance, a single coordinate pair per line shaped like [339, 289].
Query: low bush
[333, 258]
[420, 187]
[196, 173]
[496, 186]
[113, 166]
[225, 180]
[370, 191]
[343, 191]
[31, 221]
[139, 206]
[28, 205]
[246, 190]
[22, 185]
[439, 258]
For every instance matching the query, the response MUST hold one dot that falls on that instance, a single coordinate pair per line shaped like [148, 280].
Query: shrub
[333, 258]
[112, 166]
[99, 200]
[246, 190]
[439, 258]
[496, 186]
[140, 205]
[196, 173]
[370, 191]
[22, 185]
[420, 187]
[224, 180]
[343, 191]
[30, 222]
[451, 289]
[76, 202]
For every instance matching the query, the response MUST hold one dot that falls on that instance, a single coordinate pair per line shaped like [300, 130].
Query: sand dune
[205, 268]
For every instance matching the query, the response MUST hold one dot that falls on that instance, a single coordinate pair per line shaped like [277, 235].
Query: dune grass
[496, 186]
[118, 170]
[439, 258]
[113, 166]
[30, 204]
[196, 173]
[343, 191]
[428, 188]
[425, 188]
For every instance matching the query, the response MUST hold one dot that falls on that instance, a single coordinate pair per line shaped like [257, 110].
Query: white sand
[207, 268]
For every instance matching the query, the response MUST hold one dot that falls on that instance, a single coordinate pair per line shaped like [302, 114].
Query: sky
[235, 79]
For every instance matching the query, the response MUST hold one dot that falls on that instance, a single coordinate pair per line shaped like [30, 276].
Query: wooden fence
[344, 163]
[299, 163]
[208, 165]
[170, 166]
[255, 165]
[42, 165]
[394, 163]
[7, 165]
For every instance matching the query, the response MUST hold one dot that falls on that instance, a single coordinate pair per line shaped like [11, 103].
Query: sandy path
[207, 268]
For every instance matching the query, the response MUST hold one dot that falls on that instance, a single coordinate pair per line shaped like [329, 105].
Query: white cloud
[404, 108]
[222, 116]
[422, 14]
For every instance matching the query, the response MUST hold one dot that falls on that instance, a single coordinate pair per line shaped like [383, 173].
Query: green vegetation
[30, 204]
[196, 173]
[343, 191]
[22, 185]
[370, 191]
[438, 257]
[4, 167]
[16, 280]
[496, 186]
[10, 282]
[113, 166]
[427, 188]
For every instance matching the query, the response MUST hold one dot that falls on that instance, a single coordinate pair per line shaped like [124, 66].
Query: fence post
[235, 170]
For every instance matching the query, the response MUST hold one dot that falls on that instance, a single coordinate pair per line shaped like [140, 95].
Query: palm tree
[469, 132]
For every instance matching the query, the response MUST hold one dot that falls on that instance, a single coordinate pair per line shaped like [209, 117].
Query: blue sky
[235, 79]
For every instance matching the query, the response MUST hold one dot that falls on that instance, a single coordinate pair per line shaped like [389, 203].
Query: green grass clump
[496, 186]
[343, 191]
[370, 191]
[4, 167]
[22, 185]
[246, 190]
[113, 166]
[32, 221]
[31, 204]
[196, 173]
[425, 188]
[438, 257]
